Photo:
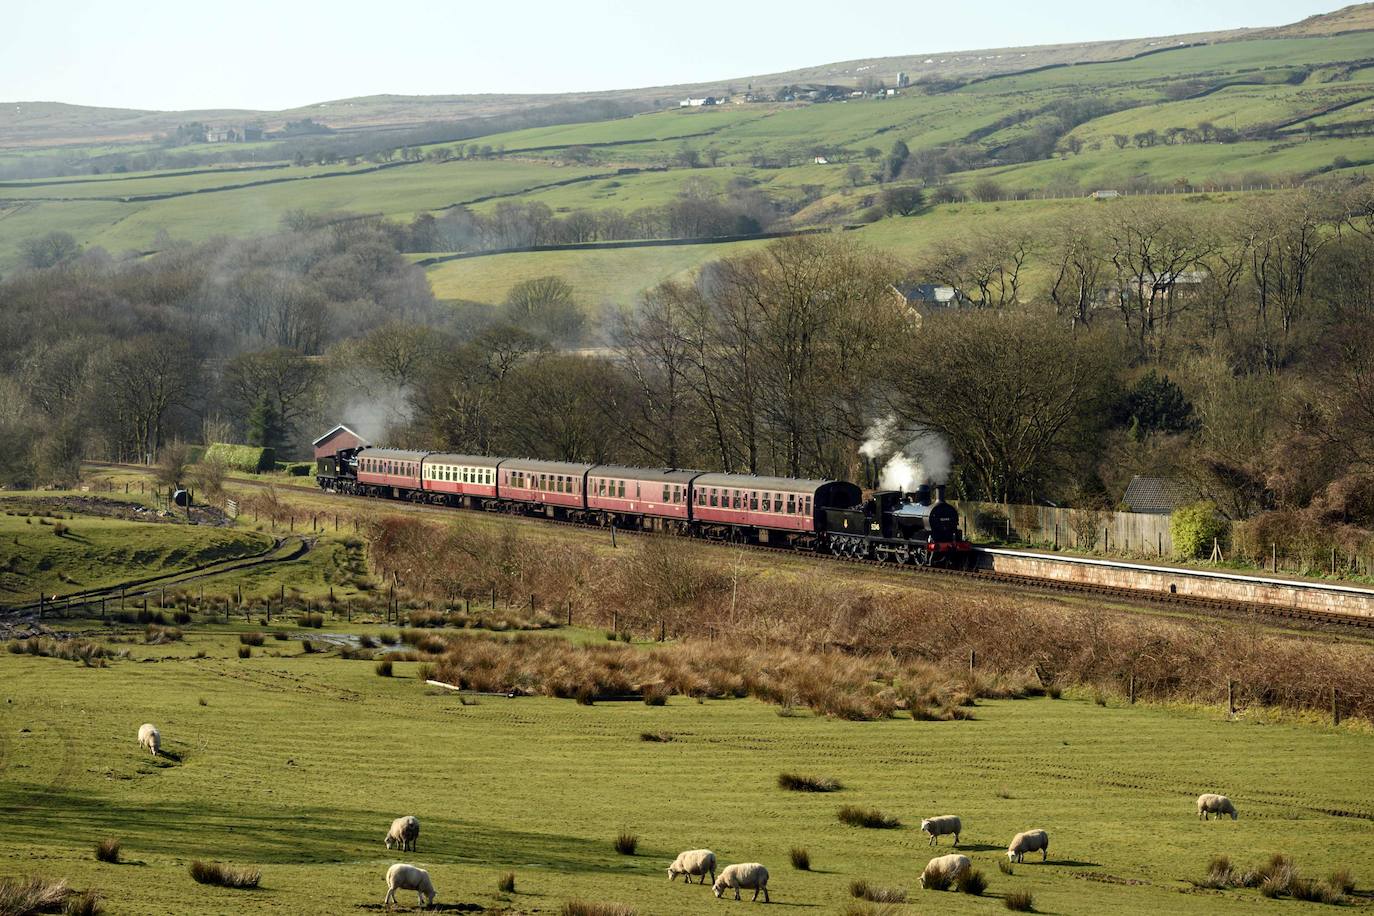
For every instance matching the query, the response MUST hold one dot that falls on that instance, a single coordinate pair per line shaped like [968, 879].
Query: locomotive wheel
[922, 556]
[902, 555]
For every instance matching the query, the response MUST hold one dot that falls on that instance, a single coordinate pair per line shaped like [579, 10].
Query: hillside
[1244, 109]
[39, 123]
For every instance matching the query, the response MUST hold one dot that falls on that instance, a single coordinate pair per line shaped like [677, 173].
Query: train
[823, 516]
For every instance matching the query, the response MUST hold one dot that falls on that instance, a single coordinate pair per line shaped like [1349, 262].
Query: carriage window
[807, 510]
[714, 496]
[754, 501]
[667, 493]
[791, 504]
[620, 489]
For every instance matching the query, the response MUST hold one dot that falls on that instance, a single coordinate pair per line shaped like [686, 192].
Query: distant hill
[37, 124]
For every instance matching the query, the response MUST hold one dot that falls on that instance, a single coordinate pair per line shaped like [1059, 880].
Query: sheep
[403, 833]
[939, 826]
[403, 877]
[693, 862]
[1208, 804]
[746, 875]
[149, 737]
[943, 871]
[1029, 841]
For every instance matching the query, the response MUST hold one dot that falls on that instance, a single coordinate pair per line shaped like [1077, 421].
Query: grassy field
[614, 277]
[85, 552]
[296, 763]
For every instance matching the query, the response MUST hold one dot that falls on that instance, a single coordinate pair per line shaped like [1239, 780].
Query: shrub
[241, 457]
[310, 620]
[1343, 880]
[626, 843]
[796, 782]
[252, 639]
[1005, 867]
[307, 646]
[1315, 891]
[661, 737]
[506, 883]
[84, 903]
[223, 875]
[1019, 901]
[245, 652]
[855, 816]
[366, 642]
[801, 858]
[107, 850]
[280, 635]
[1193, 527]
[155, 635]
[389, 637]
[862, 889]
[973, 882]
[656, 695]
[384, 668]
[34, 895]
[583, 908]
[1220, 874]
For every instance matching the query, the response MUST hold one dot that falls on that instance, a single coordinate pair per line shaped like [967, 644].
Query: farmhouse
[340, 437]
[928, 296]
[1105, 194]
[1157, 495]
[697, 103]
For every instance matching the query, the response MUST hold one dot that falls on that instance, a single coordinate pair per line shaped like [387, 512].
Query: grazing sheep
[948, 869]
[149, 737]
[693, 862]
[1029, 841]
[403, 833]
[939, 826]
[1209, 804]
[403, 877]
[748, 875]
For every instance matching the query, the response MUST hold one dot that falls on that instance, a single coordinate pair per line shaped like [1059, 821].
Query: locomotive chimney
[923, 494]
[939, 492]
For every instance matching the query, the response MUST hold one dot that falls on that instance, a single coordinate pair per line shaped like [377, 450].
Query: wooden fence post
[1131, 689]
[615, 622]
[569, 612]
[1231, 697]
[972, 659]
[1335, 708]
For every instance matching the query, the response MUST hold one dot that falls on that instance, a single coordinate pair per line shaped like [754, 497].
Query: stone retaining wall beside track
[1225, 586]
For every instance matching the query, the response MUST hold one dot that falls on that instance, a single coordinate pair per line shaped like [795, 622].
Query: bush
[389, 637]
[855, 816]
[248, 458]
[656, 695]
[84, 903]
[796, 782]
[1005, 867]
[626, 843]
[1343, 880]
[35, 895]
[661, 737]
[155, 635]
[506, 883]
[221, 875]
[245, 652]
[310, 620]
[801, 858]
[1193, 528]
[108, 851]
[384, 668]
[252, 639]
[973, 882]
[1019, 901]
[583, 908]
[307, 646]
[862, 889]
[280, 635]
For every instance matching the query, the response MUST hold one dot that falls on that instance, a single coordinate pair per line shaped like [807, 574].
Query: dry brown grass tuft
[801, 858]
[1019, 901]
[864, 890]
[626, 843]
[21, 897]
[583, 908]
[107, 850]
[796, 782]
[855, 816]
[222, 875]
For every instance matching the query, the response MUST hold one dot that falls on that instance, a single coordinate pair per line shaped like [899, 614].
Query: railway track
[1231, 608]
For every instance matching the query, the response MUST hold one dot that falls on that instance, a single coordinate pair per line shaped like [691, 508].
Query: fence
[1128, 533]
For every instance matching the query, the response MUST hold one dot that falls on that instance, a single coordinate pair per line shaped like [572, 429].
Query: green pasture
[296, 763]
[611, 276]
[36, 555]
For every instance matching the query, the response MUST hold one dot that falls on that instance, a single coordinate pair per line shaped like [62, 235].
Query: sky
[160, 54]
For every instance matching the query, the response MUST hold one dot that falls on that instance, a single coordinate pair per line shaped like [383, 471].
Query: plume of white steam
[374, 413]
[914, 456]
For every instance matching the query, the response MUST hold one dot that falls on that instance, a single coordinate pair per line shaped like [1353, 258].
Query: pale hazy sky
[273, 55]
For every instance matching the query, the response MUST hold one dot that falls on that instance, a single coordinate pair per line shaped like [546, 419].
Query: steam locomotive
[822, 516]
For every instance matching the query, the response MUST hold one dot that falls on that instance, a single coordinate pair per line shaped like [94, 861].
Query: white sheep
[1029, 841]
[945, 870]
[403, 877]
[747, 875]
[403, 833]
[939, 826]
[693, 862]
[1209, 804]
[150, 738]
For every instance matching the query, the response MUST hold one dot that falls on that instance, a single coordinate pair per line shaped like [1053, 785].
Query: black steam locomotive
[901, 528]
